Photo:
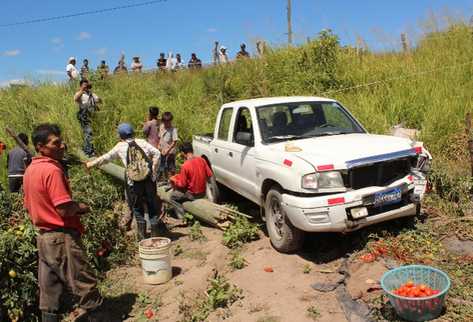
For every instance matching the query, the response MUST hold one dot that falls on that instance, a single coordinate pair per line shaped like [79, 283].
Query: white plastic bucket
[155, 260]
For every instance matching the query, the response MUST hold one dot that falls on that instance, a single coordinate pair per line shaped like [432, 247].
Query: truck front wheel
[283, 235]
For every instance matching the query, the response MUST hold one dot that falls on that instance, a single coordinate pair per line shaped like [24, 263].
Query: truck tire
[212, 190]
[284, 237]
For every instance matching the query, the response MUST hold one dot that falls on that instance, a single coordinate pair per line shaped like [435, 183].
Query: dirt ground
[285, 294]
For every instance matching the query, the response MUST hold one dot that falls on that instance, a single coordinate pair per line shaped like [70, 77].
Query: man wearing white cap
[223, 57]
[71, 69]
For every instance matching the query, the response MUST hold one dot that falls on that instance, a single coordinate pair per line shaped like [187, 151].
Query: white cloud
[14, 82]
[11, 53]
[101, 51]
[83, 35]
[212, 30]
[50, 72]
[56, 40]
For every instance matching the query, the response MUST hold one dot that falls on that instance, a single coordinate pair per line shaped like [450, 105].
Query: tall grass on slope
[429, 88]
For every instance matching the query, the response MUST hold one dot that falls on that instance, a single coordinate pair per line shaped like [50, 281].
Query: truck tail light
[287, 162]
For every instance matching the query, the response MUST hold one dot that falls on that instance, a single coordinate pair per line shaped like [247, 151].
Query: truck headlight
[323, 180]
[309, 181]
[330, 179]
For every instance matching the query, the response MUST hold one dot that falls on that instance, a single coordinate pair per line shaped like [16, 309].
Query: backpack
[138, 164]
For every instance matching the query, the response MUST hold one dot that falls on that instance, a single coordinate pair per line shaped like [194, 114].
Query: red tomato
[368, 258]
[409, 284]
[435, 292]
[149, 313]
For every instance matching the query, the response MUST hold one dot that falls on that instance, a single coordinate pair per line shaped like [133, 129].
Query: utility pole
[289, 22]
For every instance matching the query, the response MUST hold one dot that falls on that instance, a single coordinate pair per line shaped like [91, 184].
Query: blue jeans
[84, 121]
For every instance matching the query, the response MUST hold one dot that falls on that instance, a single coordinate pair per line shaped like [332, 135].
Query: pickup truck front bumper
[313, 214]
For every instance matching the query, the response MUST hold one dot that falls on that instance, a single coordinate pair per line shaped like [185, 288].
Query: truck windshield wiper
[283, 137]
[332, 133]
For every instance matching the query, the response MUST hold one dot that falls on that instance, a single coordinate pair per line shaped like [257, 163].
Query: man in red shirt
[191, 182]
[62, 262]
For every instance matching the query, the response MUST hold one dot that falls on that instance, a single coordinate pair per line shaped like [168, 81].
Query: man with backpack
[141, 161]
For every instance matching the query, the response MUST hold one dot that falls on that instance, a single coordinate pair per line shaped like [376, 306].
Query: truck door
[219, 146]
[240, 156]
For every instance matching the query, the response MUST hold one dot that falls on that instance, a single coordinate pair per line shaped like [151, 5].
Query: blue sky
[40, 51]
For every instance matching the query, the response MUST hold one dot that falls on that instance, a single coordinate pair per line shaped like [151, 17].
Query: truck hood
[346, 149]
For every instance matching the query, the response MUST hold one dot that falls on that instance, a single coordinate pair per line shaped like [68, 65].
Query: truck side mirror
[244, 138]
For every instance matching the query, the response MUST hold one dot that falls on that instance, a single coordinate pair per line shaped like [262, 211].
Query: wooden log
[18, 141]
[212, 214]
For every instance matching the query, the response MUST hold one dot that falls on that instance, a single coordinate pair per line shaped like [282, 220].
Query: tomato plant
[105, 244]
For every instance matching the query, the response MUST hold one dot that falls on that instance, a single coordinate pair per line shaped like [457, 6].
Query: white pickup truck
[312, 167]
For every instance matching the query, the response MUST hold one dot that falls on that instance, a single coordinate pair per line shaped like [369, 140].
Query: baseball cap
[125, 130]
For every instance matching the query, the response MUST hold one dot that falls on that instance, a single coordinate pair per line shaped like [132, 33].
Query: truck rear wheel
[212, 190]
[283, 235]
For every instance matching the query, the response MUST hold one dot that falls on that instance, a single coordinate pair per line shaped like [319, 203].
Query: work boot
[141, 230]
[49, 317]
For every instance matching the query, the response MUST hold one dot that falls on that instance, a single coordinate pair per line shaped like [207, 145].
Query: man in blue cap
[141, 161]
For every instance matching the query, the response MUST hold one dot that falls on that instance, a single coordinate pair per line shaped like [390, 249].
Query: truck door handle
[230, 154]
[216, 150]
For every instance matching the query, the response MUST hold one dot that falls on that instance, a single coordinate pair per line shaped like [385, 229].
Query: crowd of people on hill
[169, 62]
[43, 179]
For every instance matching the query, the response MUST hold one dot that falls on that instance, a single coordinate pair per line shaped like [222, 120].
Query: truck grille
[378, 174]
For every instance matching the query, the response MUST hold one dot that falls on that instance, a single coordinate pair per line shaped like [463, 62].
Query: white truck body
[386, 168]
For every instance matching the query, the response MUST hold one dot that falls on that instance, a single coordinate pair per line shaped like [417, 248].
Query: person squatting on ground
[191, 182]
[62, 261]
[88, 103]
[167, 146]
[17, 161]
[151, 127]
[141, 162]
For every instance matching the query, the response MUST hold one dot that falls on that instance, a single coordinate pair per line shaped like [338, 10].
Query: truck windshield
[291, 121]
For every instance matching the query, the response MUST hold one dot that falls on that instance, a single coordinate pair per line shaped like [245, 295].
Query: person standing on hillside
[62, 263]
[17, 161]
[222, 55]
[88, 103]
[179, 63]
[141, 162]
[71, 69]
[194, 62]
[161, 63]
[136, 65]
[121, 68]
[242, 53]
[167, 146]
[215, 54]
[151, 127]
[103, 70]
[171, 62]
[84, 70]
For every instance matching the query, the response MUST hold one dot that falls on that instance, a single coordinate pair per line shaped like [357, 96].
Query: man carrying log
[141, 164]
[191, 182]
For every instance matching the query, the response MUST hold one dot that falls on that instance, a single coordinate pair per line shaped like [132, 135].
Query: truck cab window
[243, 133]
[224, 126]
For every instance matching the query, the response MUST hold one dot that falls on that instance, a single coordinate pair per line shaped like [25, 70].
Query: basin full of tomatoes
[410, 289]
[417, 302]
